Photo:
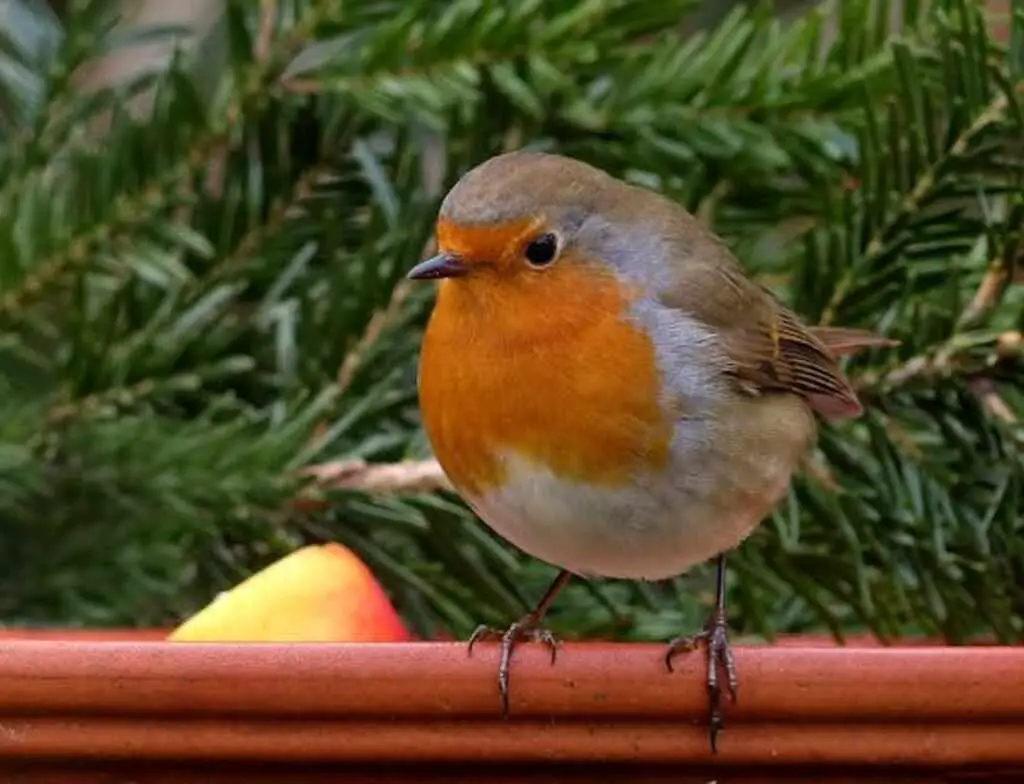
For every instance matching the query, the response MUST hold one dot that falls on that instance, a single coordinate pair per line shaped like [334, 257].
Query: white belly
[705, 502]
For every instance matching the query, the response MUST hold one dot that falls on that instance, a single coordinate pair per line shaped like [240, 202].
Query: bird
[608, 390]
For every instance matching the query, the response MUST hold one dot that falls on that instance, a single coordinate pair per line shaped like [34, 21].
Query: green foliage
[200, 292]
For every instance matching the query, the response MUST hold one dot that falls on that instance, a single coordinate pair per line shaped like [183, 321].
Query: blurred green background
[207, 209]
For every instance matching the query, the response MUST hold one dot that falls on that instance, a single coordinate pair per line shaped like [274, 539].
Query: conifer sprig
[201, 297]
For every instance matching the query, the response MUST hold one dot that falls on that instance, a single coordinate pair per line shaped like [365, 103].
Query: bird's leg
[526, 628]
[721, 665]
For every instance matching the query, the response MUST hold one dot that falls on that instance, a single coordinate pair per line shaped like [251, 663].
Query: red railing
[153, 711]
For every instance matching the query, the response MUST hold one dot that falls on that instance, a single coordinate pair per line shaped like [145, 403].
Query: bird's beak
[443, 265]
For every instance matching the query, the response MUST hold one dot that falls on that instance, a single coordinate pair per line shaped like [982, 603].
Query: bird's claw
[526, 629]
[721, 666]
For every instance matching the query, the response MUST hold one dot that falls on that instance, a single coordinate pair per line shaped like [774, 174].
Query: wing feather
[768, 348]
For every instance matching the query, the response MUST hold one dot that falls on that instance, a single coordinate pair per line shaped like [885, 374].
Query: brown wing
[781, 354]
[768, 348]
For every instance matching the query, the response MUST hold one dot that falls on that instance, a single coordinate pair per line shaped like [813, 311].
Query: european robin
[607, 389]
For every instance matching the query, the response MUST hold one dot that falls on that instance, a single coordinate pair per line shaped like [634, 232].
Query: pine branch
[168, 190]
[210, 356]
[922, 191]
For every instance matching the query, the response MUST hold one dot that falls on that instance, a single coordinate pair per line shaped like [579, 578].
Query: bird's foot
[721, 666]
[526, 629]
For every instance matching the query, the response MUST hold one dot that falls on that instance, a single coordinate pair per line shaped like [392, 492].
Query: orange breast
[545, 365]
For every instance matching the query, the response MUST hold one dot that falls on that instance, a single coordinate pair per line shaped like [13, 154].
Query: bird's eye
[542, 251]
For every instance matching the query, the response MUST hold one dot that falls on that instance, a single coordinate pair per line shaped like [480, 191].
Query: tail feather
[841, 341]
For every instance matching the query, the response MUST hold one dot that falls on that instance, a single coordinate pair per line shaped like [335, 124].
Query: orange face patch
[485, 245]
[545, 364]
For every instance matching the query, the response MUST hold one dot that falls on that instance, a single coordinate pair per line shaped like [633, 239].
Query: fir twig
[209, 354]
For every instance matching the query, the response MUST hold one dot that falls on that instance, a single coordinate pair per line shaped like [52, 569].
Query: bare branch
[408, 476]
[989, 292]
[376, 326]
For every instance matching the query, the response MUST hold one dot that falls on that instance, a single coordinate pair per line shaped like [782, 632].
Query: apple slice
[319, 593]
